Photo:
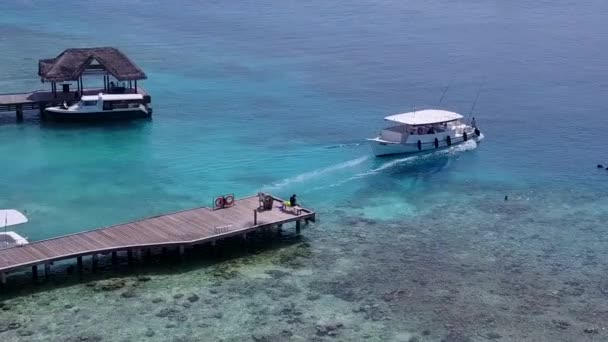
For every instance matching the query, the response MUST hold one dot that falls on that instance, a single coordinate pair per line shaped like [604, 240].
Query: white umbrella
[12, 217]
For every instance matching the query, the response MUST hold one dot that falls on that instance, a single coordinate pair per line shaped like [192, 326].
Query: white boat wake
[315, 173]
[466, 146]
[307, 176]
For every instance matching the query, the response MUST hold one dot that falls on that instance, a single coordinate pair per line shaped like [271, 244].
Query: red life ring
[228, 200]
[219, 202]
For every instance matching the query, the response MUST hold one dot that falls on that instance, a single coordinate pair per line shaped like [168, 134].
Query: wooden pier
[180, 229]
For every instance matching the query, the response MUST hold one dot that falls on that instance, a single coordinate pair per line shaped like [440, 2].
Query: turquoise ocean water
[279, 96]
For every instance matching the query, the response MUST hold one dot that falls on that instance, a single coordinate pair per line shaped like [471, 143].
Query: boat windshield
[88, 103]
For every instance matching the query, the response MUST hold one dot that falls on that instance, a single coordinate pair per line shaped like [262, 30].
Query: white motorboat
[423, 130]
[102, 107]
[11, 217]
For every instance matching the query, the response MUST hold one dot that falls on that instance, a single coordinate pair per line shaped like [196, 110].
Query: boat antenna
[475, 102]
[445, 91]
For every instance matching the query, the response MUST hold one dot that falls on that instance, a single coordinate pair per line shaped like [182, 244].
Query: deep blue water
[280, 95]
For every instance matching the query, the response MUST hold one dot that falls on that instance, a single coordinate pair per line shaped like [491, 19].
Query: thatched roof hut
[72, 63]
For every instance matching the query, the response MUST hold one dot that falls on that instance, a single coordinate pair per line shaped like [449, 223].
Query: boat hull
[380, 148]
[60, 114]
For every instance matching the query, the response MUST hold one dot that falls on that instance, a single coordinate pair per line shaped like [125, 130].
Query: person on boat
[292, 200]
[473, 123]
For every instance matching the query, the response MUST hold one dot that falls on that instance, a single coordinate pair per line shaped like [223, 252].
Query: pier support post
[35, 272]
[79, 264]
[214, 248]
[47, 271]
[130, 257]
[41, 107]
[114, 258]
[148, 254]
[298, 226]
[94, 262]
[19, 113]
[255, 217]
[165, 251]
[182, 251]
[3, 279]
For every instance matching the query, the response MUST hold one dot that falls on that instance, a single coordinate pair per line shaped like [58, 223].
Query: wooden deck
[39, 99]
[189, 227]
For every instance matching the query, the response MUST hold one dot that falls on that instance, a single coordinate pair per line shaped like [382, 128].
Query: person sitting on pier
[289, 204]
[292, 200]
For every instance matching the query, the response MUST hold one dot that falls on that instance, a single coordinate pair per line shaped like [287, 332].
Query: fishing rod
[475, 102]
[445, 91]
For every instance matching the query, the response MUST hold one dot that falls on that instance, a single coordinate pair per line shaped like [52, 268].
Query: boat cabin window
[428, 129]
[120, 104]
[88, 103]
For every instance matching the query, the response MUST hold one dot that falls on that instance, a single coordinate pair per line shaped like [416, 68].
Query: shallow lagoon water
[278, 96]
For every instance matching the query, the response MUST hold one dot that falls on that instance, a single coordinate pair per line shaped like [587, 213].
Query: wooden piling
[94, 262]
[182, 251]
[114, 258]
[19, 112]
[255, 217]
[298, 226]
[47, 271]
[2, 279]
[35, 272]
[130, 256]
[79, 264]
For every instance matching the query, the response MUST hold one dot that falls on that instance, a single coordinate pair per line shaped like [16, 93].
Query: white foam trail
[343, 145]
[315, 173]
[466, 146]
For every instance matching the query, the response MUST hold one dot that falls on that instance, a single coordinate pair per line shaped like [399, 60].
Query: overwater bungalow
[65, 75]
[72, 64]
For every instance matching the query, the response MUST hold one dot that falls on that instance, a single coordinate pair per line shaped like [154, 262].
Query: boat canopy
[11, 217]
[424, 117]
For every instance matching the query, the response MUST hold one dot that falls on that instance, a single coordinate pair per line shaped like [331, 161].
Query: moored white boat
[102, 107]
[423, 130]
